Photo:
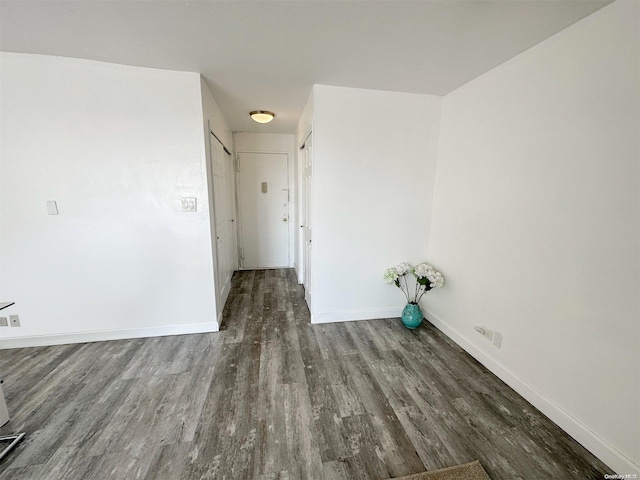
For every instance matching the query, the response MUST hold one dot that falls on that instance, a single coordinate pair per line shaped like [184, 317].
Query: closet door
[307, 196]
[230, 175]
[222, 210]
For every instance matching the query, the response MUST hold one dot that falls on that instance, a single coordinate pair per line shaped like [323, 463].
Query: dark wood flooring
[273, 397]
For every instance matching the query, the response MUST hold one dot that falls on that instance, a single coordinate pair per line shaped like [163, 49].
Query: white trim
[574, 427]
[298, 274]
[353, 315]
[299, 234]
[265, 268]
[267, 152]
[102, 335]
[226, 290]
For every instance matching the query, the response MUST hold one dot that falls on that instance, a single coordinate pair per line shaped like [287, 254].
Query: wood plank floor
[272, 397]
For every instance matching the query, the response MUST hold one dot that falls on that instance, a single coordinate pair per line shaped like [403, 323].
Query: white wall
[248, 142]
[536, 227]
[305, 122]
[373, 173]
[116, 147]
[212, 114]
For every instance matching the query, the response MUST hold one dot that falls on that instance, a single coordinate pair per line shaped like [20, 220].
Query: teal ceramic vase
[412, 316]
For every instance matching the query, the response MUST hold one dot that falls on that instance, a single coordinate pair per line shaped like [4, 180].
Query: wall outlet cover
[52, 207]
[189, 204]
[497, 339]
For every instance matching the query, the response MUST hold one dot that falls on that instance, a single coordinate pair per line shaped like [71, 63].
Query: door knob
[284, 219]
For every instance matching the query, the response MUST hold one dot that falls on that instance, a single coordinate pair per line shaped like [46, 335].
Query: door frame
[213, 225]
[307, 211]
[221, 294]
[300, 212]
[291, 210]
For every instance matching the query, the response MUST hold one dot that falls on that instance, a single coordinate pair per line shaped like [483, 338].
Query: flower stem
[407, 285]
[425, 291]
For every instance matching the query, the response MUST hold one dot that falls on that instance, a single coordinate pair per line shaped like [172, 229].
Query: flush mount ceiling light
[262, 116]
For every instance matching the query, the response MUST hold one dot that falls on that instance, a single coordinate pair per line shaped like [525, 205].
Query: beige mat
[469, 471]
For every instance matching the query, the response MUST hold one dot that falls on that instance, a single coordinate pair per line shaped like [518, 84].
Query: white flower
[436, 279]
[390, 275]
[422, 270]
[403, 269]
[425, 278]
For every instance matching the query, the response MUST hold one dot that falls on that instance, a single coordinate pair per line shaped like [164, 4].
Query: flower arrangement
[426, 278]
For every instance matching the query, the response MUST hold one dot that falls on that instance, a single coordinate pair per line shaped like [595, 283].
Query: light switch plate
[52, 207]
[189, 204]
[4, 322]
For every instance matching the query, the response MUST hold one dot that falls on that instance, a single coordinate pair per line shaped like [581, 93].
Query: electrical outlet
[484, 331]
[14, 320]
[189, 204]
[497, 339]
[4, 322]
[52, 207]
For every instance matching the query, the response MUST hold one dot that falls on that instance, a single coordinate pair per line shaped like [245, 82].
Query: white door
[300, 210]
[263, 208]
[230, 174]
[223, 210]
[307, 196]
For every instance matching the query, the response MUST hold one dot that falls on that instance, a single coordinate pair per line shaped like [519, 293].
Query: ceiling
[268, 54]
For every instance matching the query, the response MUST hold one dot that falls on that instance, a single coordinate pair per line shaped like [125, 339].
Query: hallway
[272, 397]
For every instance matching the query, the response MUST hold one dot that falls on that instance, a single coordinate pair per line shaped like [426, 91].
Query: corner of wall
[534, 103]
[579, 431]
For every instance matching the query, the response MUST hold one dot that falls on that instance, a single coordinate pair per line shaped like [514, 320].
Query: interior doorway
[263, 205]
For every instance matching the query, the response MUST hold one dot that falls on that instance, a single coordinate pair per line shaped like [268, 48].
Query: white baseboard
[102, 335]
[579, 431]
[265, 268]
[298, 275]
[353, 315]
